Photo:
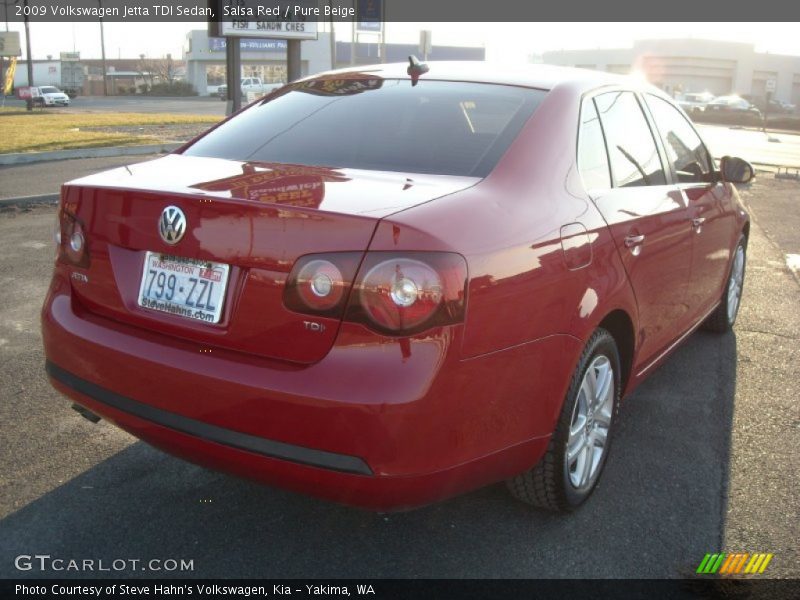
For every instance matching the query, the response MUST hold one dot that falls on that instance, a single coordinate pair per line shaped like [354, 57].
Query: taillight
[318, 283]
[394, 293]
[71, 241]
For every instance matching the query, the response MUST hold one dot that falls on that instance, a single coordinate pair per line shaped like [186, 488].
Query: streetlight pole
[103, 51]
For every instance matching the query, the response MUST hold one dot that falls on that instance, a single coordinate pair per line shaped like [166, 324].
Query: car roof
[539, 76]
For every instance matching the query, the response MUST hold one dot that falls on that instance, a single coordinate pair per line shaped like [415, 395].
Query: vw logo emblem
[172, 224]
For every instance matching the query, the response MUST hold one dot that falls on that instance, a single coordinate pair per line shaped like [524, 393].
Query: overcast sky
[508, 42]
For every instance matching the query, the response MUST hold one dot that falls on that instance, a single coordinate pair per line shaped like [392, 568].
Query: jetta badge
[172, 224]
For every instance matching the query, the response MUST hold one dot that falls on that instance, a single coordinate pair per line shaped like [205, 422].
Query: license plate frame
[197, 293]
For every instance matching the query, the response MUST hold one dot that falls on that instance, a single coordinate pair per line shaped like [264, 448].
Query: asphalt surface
[774, 149]
[704, 460]
[46, 178]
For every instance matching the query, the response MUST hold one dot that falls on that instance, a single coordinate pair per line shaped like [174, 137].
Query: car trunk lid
[255, 218]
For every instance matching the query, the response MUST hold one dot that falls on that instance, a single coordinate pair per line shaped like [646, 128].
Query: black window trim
[673, 174]
[586, 98]
[670, 180]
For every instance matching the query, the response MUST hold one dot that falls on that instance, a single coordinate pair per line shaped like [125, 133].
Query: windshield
[50, 90]
[365, 122]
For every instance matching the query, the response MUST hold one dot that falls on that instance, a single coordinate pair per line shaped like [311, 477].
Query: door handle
[697, 222]
[634, 240]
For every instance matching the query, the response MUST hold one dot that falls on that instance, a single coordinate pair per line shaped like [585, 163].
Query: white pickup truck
[249, 85]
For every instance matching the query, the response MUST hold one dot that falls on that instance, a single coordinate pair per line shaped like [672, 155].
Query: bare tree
[147, 70]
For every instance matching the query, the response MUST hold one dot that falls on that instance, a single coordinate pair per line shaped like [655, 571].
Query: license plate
[194, 289]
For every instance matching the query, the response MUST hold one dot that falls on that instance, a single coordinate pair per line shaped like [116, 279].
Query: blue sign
[369, 14]
[216, 44]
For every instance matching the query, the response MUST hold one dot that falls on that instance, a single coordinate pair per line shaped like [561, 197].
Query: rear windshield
[448, 128]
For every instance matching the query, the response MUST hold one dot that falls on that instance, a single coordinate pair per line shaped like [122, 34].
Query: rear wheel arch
[620, 325]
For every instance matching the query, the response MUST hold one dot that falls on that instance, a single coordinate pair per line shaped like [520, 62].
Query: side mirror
[736, 170]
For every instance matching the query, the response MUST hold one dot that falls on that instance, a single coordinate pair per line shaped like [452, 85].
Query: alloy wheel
[591, 420]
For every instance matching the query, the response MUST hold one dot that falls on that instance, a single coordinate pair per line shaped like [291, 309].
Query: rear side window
[685, 149]
[592, 157]
[448, 128]
[631, 146]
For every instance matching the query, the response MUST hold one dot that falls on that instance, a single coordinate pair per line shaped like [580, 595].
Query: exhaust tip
[85, 413]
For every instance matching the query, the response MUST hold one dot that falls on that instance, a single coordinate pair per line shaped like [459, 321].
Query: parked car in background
[388, 286]
[51, 96]
[694, 103]
[250, 85]
[776, 107]
[732, 105]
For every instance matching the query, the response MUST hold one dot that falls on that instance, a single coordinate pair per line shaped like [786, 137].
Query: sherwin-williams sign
[216, 44]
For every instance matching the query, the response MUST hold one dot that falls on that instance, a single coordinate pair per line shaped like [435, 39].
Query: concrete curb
[29, 200]
[24, 158]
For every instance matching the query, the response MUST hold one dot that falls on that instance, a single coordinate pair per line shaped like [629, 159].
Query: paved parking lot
[705, 459]
[774, 149]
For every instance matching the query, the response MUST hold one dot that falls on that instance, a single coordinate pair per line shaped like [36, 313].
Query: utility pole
[293, 65]
[29, 101]
[233, 74]
[353, 44]
[3, 59]
[383, 35]
[332, 40]
[103, 50]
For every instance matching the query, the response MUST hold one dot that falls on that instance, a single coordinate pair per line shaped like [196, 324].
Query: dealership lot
[704, 460]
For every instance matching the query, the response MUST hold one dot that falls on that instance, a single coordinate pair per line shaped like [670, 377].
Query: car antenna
[416, 68]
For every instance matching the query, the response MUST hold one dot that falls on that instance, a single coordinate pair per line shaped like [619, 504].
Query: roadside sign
[256, 19]
[9, 43]
[369, 16]
[771, 85]
[70, 56]
[26, 92]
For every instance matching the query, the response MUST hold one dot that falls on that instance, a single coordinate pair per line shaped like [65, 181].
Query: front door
[712, 225]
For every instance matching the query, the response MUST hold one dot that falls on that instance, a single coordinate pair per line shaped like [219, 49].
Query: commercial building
[204, 57]
[694, 65]
[123, 75]
[203, 63]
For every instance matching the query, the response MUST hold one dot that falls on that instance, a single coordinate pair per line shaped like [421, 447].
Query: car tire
[724, 316]
[564, 478]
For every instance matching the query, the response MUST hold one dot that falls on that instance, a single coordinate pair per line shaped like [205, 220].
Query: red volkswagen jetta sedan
[386, 286]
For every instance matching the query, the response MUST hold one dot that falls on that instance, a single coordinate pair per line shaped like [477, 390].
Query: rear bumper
[377, 423]
[204, 431]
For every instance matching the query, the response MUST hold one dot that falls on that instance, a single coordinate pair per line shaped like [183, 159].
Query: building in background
[203, 63]
[693, 65]
[125, 75]
[205, 57]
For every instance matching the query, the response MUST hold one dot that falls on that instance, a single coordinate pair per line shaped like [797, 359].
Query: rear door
[648, 218]
[708, 200]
